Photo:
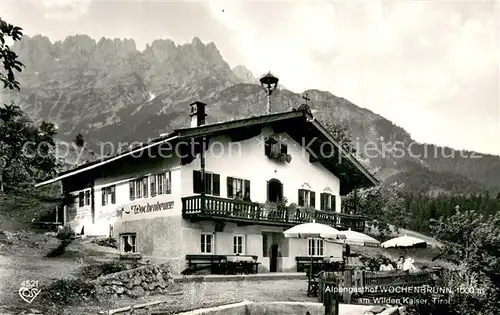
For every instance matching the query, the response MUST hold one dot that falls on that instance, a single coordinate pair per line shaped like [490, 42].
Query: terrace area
[246, 213]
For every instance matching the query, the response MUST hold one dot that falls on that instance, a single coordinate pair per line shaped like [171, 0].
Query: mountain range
[108, 90]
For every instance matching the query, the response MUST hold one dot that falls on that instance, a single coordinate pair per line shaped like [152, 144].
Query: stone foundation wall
[136, 282]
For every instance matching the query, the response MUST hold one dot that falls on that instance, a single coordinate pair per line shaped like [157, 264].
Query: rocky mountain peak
[109, 91]
[245, 75]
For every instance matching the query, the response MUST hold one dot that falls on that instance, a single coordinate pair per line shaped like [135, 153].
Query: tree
[384, 204]
[8, 57]
[341, 134]
[26, 150]
[472, 242]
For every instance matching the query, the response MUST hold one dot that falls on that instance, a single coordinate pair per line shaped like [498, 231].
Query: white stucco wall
[246, 160]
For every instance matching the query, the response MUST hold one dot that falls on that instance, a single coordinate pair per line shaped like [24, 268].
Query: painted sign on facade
[136, 209]
[158, 206]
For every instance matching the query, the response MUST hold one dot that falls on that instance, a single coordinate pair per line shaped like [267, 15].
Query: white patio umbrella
[358, 238]
[404, 241]
[311, 230]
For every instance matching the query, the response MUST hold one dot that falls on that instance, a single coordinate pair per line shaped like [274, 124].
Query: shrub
[108, 242]
[66, 234]
[56, 252]
[68, 292]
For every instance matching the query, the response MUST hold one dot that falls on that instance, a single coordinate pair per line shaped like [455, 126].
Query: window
[108, 195]
[327, 201]
[238, 244]
[128, 243]
[154, 184]
[87, 198]
[131, 185]
[207, 243]
[138, 190]
[212, 183]
[276, 145]
[315, 247]
[307, 198]
[163, 181]
[236, 184]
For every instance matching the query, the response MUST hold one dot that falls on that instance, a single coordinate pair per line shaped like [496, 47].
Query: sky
[431, 67]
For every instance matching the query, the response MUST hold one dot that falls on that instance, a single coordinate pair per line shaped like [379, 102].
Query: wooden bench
[304, 263]
[199, 262]
[46, 225]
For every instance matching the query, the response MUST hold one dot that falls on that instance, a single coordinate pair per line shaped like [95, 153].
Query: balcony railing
[256, 213]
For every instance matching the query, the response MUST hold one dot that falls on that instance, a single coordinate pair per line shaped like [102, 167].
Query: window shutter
[229, 187]
[301, 198]
[152, 182]
[168, 182]
[333, 202]
[103, 195]
[312, 201]
[247, 186]
[284, 148]
[145, 187]
[216, 186]
[267, 147]
[281, 192]
[131, 189]
[322, 201]
[196, 182]
[113, 194]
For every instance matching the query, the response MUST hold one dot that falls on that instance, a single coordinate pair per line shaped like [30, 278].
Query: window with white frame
[207, 243]
[153, 185]
[239, 244]
[307, 198]
[327, 201]
[84, 198]
[108, 195]
[315, 247]
[129, 243]
[235, 185]
[211, 182]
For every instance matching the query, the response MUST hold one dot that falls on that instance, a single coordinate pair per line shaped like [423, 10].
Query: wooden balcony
[230, 210]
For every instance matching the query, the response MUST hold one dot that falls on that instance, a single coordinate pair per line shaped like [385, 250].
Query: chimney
[197, 114]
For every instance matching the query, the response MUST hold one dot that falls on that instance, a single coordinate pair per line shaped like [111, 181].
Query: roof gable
[299, 124]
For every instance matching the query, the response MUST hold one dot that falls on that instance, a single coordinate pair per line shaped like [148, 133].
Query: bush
[108, 242]
[66, 234]
[68, 292]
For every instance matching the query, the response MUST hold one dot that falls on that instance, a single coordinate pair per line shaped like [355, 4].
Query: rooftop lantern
[269, 83]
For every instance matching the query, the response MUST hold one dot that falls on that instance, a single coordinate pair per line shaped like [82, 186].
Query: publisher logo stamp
[29, 290]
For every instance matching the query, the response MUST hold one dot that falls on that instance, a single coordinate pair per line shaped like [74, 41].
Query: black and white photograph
[263, 157]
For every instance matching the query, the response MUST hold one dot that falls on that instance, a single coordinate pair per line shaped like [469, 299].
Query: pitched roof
[222, 127]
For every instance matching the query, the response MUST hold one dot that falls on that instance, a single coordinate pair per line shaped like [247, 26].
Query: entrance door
[274, 190]
[273, 264]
